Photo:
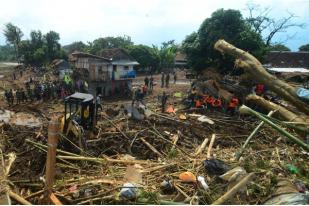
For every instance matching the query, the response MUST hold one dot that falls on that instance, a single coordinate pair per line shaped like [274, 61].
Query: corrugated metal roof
[288, 70]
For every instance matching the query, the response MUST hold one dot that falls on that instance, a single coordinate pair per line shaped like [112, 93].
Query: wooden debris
[201, 148]
[241, 151]
[213, 137]
[229, 194]
[251, 65]
[247, 110]
[19, 199]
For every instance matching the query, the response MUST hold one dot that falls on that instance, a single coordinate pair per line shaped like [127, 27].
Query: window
[126, 67]
[114, 68]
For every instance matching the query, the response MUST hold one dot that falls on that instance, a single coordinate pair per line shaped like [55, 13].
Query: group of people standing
[35, 91]
[165, 78]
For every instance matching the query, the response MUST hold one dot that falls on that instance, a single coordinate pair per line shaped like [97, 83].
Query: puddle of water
[22, 119]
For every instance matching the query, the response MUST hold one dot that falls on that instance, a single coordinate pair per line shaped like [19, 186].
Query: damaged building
[108, 74]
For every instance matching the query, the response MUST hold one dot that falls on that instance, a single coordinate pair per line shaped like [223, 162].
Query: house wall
[108, 88]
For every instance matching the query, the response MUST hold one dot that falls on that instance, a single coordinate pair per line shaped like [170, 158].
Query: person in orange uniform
[260, 89]
[232, 105]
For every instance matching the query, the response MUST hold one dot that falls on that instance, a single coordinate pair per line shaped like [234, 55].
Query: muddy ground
[121, 149]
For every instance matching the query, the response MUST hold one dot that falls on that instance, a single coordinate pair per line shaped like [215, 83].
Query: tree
[279, 47]
[146, 56]
[75, 46]
[7, 53]
[109, 42]
[13, 36]
[223, 24]
[52, 45]
[304, 47]
[261, 22]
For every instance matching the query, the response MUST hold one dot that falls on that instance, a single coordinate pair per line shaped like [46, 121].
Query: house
[180, 60]
[292, 66]
[122, 62]
[103, 74]
[61, 67]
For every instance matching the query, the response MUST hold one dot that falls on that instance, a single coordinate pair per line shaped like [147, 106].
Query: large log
[251, 65]
[282, 112]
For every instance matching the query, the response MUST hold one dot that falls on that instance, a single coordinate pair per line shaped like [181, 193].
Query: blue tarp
[130, 74]
[303, 94]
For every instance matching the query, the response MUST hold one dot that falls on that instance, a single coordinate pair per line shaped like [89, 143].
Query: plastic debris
[128, 191]
[292, 169]
[205, 119]
[170, 109]
[300, 186]
[187, 177]
[216, 166]
[289, 199]
[234, 174]
[167, 187]
[182, 117]
[202, 182]
[178, 94]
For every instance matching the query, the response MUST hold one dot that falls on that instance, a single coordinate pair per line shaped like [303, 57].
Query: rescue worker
[163, 102]
[23, 95]
[175, 77]
[145, 89]
[162, 79]
[232, 105]
[167, 80]
[151, 83]
[7, 97]
[18, 96]
[11, 97]
[146, 80]
[259, 89]
[99, 103]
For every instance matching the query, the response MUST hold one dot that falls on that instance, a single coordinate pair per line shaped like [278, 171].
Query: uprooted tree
[255, 69]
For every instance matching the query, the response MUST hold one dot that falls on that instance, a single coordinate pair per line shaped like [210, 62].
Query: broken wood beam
[52, 142]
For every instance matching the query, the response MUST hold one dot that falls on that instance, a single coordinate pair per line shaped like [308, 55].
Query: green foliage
[7, 53]
[75, 46]
[304, 47]
[108, 43]
[166, 55]
[13, 36]
[279, 47]
[41, 49]
[146, 56]
[223, 24]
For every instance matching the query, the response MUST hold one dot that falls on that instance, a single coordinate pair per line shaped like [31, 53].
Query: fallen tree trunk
[251, 65]
[282, 112]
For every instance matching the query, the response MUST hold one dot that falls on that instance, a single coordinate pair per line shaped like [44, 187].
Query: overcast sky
[145, 21]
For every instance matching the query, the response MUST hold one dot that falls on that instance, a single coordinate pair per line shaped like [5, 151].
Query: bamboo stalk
[201, 147]
[19, 198]
[239, 154]
[233, 190]
[152, 148]
[246, 110]
[213, 137]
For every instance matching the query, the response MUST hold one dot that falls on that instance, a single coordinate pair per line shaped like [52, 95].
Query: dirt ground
[148, 152]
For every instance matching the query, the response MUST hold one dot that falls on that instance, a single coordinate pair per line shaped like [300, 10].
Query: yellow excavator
[79, 118]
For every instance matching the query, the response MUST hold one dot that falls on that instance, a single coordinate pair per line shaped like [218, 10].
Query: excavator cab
[79, 117]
